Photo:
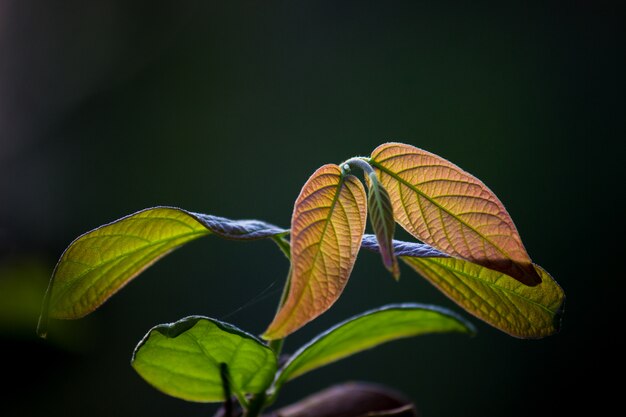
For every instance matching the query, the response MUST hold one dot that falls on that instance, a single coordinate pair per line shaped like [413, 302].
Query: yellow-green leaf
[195, 357]
[451, 210]
[383, 223]
[496, 298]
[368, 330]
[99, 263]
[326, 230]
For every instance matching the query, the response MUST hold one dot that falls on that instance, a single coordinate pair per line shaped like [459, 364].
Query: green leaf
[496, 298]
[368, 330]
[383, 223]
[187, 360]
[99, 263]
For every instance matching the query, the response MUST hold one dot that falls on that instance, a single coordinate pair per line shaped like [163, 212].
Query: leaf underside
[327, 226]
[368, 330]
[442, 205]
[99, 263]
[186, 360]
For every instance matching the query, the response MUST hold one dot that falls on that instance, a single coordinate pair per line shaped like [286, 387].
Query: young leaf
[498, 299]
[326, 229]
[99, 263]
[188, 360]
[383, 223]
[368, 330]
[448, 208]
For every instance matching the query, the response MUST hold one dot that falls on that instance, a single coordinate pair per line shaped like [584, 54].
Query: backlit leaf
[368, 330]
[99, 263]
[448, 208]
[496, 298]
[383, 223]
[326, 230]
[186, 360]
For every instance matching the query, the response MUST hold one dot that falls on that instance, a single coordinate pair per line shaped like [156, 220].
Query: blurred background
[226, 108]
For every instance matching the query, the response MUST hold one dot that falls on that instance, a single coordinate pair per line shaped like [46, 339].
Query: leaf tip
[42, 329]
[528, 276]
[395, 270]
[273, 331]
[280, 327]
[269, 336]
[42, 323]
[521, 271]
[471, 330]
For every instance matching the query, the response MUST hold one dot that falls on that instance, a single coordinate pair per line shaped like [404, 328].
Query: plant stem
[283, 245]
[228, 402]
[358, 161]
[256, 405]
[277, 344]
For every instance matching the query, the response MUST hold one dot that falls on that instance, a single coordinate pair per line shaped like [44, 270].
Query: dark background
[227, 107]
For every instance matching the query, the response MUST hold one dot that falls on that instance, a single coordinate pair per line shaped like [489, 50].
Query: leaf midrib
[493, 286]
[70, 284]
[439, 206]
[319, 250]
[376, 192]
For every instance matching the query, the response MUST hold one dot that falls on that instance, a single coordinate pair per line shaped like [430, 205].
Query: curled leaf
[326, 230]
[383, 223]
[448, 208]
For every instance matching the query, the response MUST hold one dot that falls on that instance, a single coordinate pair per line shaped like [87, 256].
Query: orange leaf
[326, 231]
[448, 208]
